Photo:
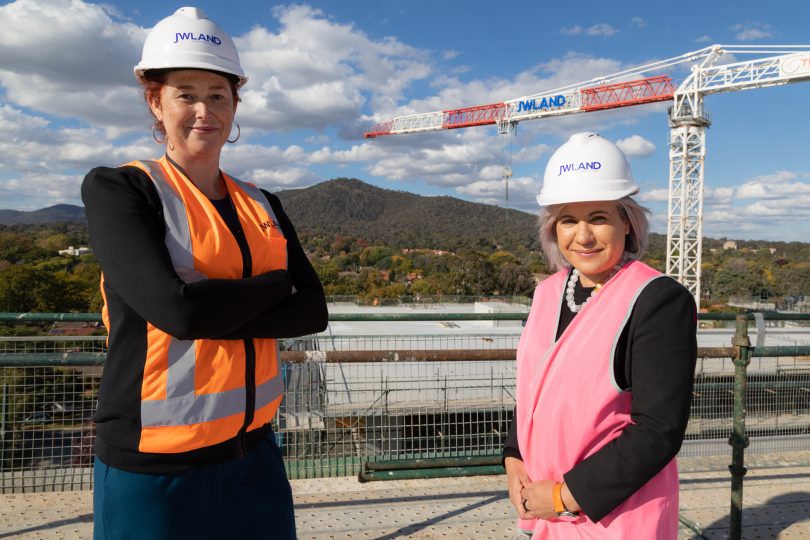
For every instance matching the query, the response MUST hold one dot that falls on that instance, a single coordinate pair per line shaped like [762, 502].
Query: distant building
[405, 251]
[730, 244]
[75, 252]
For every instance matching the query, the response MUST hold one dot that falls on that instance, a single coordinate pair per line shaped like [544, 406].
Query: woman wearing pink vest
[604, 365]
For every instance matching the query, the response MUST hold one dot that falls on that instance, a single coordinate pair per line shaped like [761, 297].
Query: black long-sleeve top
[655, 362]
[127, 231]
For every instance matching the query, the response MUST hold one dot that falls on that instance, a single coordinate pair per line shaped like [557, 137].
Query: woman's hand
[516, 479]
[538, 499]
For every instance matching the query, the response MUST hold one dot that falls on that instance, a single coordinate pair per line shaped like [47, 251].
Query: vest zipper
[250, 349]
[250, 394]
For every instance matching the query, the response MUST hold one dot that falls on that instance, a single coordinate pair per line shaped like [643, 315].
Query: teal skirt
[248, 498]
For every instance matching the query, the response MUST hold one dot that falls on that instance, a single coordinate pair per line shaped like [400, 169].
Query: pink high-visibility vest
[569, 406]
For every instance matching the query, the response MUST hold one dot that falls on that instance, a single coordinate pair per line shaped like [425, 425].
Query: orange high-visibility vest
[194, 393]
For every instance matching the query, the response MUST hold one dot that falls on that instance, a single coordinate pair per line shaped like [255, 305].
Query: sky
[323, 72]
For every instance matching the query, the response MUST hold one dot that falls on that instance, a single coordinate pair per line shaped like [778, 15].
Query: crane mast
[711, 73]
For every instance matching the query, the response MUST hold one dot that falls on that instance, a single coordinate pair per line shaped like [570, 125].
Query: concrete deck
[776, 505]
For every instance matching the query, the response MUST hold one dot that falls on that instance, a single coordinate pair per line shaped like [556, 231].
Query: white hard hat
[189, 39]
[587, 167]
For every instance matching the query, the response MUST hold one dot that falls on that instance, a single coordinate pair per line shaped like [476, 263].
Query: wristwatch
[559, 505]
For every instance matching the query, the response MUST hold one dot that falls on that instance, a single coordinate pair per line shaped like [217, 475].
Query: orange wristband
[556, 497]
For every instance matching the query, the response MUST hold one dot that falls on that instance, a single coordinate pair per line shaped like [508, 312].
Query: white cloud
[283, 178]
[308, 72]
[636, 146]
[357, 153]
[315, 72]
[58, 54]
[31, 191]
[722, 196]
[638, 22]
[752, 30]
[598, 29]
[774, 206]
[30, 144]
[532, 153]
[774, 186]
[705, 38]
[654, 195]
[449, 160]
[312, 73]
[317, 139]
[522, 192]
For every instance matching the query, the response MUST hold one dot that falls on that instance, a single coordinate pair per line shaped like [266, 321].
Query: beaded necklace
[569, 292]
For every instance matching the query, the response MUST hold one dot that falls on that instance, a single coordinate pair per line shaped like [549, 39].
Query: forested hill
[53, 214]
[351, 207]
[400, 219]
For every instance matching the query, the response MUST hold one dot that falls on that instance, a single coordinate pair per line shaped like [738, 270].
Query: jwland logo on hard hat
[183, 36]
[583, 166]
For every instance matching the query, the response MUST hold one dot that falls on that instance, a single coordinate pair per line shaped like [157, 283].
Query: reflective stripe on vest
[182, 406]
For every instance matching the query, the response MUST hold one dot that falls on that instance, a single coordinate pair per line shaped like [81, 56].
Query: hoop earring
[154, 136]
[238, 133]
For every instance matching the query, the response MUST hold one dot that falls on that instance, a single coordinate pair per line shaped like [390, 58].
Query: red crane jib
[480, 115]
[383, 128]
[609, 96]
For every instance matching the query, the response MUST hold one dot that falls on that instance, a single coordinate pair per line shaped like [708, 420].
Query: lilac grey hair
[635, 243]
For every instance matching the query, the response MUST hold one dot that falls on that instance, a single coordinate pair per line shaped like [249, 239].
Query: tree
[25, 288]
[371, 255]
[86, 275]
[737, 276]
[501, 258]
[515, 280]
[424, 287]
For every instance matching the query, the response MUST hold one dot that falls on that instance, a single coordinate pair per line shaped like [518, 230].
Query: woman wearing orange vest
[202, 273]
[604, 364]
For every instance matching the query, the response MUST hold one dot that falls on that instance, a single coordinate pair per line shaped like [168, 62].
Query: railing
[436, 402]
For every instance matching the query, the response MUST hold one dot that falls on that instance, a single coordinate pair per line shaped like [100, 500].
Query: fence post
[3, 413]
[738, 440]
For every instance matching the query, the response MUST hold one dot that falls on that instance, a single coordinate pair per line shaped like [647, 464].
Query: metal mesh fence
[53, 344]
[46, 433]
[777, 411]
[442, 342]
[335, 416]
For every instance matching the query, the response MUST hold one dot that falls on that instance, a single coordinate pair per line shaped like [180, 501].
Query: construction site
[393, 419]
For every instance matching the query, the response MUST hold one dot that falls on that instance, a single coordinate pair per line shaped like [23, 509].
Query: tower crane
[713, 70]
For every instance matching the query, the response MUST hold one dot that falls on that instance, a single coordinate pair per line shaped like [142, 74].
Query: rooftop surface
[776, 506]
